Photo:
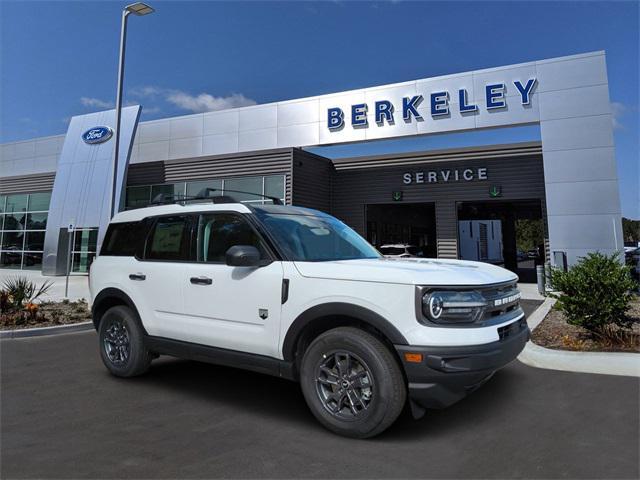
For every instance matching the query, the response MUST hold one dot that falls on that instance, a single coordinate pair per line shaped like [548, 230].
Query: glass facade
[23, 221]
[84, 248]
[252, 188]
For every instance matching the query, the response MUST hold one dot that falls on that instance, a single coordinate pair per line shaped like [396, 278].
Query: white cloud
[205, 102]
[146, 91]
[617, 111]
[95, 103]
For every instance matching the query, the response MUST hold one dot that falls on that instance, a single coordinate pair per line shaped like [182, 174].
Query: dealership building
[516, 205]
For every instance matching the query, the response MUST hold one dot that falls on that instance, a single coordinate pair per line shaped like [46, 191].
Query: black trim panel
[338, 310]
[447, 374]
[106, 298]
[221, 356]
[285, 291]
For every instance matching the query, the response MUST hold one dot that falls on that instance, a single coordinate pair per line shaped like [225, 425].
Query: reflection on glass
[274, 186]
[16, 203]
[138, 197]
[14, 221]
[194, 188]
[253, 185]
[22, 236]
[10, 259]
[39, 201]
[34, 241]
[82, 261]
[12, 240]
[85, 240]
[37, 221]
[173, 192]
[32, 261]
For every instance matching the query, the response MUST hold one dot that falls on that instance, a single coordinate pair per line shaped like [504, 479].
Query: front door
[236, 308]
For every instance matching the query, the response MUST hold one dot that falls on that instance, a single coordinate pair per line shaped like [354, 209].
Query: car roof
[396, 245]
[138, 214]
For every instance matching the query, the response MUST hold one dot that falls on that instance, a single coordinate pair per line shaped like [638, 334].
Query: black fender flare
[110, 297]
[338, 309]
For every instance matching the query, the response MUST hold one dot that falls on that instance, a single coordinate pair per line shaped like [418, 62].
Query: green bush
[595, 293]
[17, 292]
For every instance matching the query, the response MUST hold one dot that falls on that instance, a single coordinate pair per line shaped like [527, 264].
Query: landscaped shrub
[20, 292]
[595, 293]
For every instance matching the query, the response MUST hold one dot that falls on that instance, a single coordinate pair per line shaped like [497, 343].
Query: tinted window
[170, 239]
[123, 239]
[219, 232]
[391, 250]
[317, 238]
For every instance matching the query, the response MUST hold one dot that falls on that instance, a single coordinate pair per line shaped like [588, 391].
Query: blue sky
[59, 58]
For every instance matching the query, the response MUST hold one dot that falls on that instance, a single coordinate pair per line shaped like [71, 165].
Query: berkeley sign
[384, 110]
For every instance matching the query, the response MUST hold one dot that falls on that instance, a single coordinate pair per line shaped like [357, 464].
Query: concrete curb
[42, 331]
[608, 363]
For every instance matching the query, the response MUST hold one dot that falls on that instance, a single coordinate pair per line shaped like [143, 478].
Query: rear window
[123, 239]
[170, 239]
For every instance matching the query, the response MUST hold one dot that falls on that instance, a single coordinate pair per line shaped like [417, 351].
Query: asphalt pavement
[64, 416]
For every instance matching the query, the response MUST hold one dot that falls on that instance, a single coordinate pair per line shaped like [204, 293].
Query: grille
[511, 329]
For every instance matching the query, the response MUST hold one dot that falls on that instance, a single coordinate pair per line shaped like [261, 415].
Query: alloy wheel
[116, 343]
[344, 384]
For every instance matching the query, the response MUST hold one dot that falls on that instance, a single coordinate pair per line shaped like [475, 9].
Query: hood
[411, 271]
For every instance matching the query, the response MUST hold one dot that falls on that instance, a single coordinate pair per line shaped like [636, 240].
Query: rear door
[158, 276]
[236, 308]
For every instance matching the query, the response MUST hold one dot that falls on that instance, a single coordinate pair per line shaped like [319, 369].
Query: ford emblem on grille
[97, 135]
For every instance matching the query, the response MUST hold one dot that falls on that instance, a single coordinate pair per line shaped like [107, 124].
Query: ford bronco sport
[295, 293]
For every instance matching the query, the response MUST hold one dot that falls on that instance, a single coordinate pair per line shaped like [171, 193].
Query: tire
[337, 389]
[121, 341]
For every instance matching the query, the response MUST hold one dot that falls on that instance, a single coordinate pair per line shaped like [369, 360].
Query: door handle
[201, 280]
[137, 276]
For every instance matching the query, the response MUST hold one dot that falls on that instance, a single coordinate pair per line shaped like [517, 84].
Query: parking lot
[63, 415]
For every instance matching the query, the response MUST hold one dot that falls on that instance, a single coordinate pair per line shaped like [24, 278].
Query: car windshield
[310, 238]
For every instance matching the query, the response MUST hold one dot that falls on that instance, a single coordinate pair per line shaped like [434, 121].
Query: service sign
[97, 135]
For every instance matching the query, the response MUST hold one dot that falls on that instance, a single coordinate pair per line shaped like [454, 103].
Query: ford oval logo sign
[97, 135]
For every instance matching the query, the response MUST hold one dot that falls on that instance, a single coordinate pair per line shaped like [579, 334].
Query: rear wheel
[352, 382]
[122, 343]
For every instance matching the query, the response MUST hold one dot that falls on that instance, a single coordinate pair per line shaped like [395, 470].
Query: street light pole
[137, 9]
[123, 41]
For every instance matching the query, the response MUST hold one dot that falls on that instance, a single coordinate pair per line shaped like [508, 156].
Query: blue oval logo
[97, 135]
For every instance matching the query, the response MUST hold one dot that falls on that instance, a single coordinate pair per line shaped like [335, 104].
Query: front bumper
[447, 374]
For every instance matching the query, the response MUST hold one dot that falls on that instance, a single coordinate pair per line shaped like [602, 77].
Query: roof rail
[205, 191]
[205, 194]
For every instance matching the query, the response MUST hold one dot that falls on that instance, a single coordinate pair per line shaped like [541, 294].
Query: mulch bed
[555, 333]
[49, 314]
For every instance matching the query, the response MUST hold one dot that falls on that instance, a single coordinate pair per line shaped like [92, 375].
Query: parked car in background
[400, 250]
[632, 259]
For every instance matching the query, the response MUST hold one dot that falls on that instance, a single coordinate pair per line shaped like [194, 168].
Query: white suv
[295, 293]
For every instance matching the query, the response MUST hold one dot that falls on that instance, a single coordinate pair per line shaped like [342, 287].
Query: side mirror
[243, 256]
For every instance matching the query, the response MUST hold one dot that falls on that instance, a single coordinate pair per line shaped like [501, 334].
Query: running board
[221, 356]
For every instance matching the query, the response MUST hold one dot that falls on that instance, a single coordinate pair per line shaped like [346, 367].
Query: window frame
[270, 256]
[28, 209]
[147, 244]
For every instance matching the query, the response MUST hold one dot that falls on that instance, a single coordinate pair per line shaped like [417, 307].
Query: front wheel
[352, 382]
[122, 343]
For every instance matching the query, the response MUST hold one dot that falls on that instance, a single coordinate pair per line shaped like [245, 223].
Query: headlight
[453, 307]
